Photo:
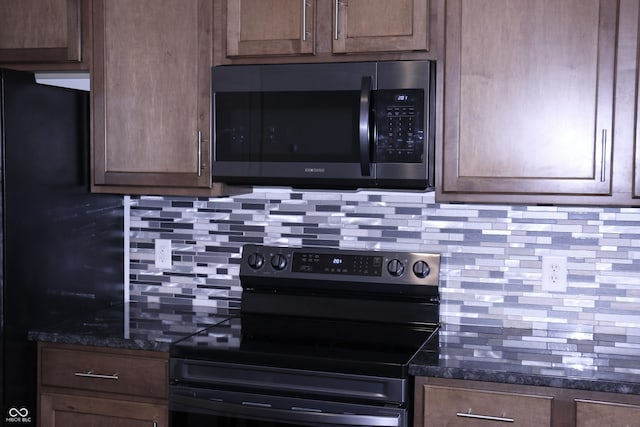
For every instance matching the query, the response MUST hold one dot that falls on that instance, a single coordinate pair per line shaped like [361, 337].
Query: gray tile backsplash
[491, 254]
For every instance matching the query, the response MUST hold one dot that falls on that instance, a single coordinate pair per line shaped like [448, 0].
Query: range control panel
[361, 265]
[340, 265]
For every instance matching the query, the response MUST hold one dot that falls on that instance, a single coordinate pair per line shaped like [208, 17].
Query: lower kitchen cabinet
[454, 406]
[591, 413]
[91, 386]
[62, 410]
[463, 403]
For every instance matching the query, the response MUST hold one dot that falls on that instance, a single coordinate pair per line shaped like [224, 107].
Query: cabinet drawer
[60, 410]
[105, 372]
[453, 406]
[591, 413]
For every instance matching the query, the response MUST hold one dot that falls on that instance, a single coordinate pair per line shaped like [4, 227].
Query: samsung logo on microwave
[314, 170]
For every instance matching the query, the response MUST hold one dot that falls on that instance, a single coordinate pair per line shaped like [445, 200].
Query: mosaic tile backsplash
[491, 272]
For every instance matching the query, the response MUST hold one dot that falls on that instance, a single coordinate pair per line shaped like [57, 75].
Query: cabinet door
[380, 25]
[40, 31]
[528, 105]
[598, 414]
[451, 406]
[636, 154]
[151, 92]
[60, 410]
[270, 27]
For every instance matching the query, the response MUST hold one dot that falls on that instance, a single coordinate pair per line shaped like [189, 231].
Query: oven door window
[306, 126]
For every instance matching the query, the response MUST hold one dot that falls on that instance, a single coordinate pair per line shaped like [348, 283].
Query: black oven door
[193, 407]
[293, 124]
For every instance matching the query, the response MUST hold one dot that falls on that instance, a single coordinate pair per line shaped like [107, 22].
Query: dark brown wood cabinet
[538, 101]
[263, 29]
[591, 413]
[380, 26]
[151, 97]
[456, 406]
[270, 27]
[636, 154]
[51, 34]
[151, 93]
[65, 410]
[81, 386]
[465, 403]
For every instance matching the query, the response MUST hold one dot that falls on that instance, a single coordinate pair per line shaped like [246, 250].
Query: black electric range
[322, 325]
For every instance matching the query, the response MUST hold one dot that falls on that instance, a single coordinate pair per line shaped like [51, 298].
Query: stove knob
[395, 268]
[421, 269]
[255, 261]
[278, 261]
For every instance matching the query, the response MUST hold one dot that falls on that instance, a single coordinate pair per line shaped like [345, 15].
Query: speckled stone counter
[134, 326]
[567, 357]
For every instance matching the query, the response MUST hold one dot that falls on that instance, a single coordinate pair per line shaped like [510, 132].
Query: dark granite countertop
[135, 326]
[568, 356]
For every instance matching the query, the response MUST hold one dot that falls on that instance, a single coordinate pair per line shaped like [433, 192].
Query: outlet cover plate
[163, 253]
[554, 273]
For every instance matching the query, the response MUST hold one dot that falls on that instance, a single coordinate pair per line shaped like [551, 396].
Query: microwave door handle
[364, 132]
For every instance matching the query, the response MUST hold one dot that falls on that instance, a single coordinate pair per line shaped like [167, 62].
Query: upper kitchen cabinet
[380, 25]
[636, 154]
[151, 97]
[51, 34]
[267, 29]
[270, 27]
[530, 89]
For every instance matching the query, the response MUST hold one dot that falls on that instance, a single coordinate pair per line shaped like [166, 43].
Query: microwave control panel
[399, 126]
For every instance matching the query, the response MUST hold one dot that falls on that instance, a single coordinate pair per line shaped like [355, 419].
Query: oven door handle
[301, 415]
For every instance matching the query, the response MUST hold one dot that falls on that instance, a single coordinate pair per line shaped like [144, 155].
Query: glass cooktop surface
[366, 348]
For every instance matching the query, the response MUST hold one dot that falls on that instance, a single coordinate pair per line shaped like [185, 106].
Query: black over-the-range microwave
[329, 125]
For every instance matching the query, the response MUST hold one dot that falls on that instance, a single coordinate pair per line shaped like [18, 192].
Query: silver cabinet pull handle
[336, 14]
[91, 374]
[304, 20]
[199, 153]
[484, 417]
[603, 158]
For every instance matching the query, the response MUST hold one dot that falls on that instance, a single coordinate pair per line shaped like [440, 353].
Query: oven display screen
[360, 265]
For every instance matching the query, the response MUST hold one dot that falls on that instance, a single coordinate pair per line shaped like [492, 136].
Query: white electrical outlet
[554, 273]
[163, 253]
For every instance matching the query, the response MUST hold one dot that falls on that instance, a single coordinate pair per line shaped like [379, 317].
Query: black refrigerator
[62, 246]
